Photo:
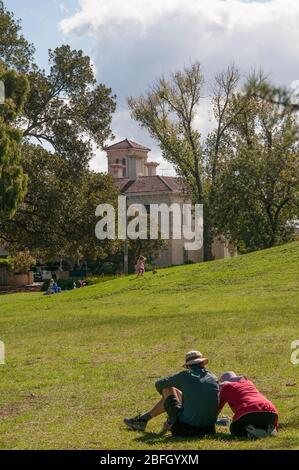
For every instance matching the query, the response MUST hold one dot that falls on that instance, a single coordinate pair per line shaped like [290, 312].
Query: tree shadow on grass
[152, 438]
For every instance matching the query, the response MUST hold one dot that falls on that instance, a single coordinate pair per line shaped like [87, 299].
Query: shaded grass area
[79, 362]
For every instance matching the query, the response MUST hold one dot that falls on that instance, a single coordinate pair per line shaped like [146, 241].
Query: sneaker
[136, 424]
[166, 427]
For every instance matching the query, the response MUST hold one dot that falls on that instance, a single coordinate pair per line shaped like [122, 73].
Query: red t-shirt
[243, 398]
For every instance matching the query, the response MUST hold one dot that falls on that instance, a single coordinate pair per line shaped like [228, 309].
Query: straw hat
[195, 357]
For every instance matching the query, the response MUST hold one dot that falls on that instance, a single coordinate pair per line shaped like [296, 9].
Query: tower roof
[127, 144]
[151, 184]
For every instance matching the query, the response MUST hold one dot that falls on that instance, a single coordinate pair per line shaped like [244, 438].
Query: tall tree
[168, 111]
[257, 193]
[67, 108]
[57, 217]
[258, 86]
[12, 178]
[15, 50]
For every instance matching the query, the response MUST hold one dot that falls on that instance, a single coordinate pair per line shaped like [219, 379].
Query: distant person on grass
[255, 416]
[140, 266]
[190, 399]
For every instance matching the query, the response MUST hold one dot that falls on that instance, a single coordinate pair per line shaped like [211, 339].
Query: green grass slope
[77, 363]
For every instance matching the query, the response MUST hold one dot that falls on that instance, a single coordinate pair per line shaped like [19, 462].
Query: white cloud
[62, 6]
[137, 40]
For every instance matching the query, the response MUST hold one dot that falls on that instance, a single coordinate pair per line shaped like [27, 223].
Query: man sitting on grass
[190, 399]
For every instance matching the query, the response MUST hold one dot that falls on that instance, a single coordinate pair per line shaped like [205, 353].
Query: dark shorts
[173, 406]
[259, 420]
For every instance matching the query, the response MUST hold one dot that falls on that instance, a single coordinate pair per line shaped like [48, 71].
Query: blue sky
[132, 42]
[40, 22]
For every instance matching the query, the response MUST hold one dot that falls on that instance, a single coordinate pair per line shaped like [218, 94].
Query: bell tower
[127, 159]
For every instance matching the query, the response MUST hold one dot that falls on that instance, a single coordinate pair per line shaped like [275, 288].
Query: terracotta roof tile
[150, 184]
[126, 144]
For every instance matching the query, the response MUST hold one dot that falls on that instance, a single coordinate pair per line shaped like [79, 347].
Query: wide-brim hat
[195, 357]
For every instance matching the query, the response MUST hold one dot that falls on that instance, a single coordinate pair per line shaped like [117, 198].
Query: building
[136, 177]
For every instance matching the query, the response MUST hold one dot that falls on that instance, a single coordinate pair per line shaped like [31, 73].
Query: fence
[8, 278]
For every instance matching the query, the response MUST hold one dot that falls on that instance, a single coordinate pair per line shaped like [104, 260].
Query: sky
[133, 42]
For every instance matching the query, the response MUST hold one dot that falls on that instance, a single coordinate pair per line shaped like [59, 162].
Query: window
[125, 167]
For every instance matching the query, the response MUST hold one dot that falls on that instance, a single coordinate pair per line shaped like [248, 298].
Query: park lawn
[77, 363]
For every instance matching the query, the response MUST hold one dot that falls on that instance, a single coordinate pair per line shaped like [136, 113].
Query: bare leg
[159, 409]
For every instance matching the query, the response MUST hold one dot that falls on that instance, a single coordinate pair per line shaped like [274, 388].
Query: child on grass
[140, 266]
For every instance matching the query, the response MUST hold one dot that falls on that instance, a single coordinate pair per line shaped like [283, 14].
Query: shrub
[22, 262]
[148, 267]
[6, 262]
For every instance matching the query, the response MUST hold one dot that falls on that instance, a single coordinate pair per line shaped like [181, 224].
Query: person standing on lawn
[254, 415]
[140, 266]
[190, 399]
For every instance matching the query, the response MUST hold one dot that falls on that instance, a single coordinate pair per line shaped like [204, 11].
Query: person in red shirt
[254, 415]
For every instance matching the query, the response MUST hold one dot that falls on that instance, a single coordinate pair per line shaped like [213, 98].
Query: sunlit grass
[79, 362]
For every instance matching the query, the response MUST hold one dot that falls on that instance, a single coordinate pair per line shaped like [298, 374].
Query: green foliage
[12, 179]
[15, 50]
[67, 111]
[57, 217]
[258, 86]
[67, 104]
[63, 105]
[257, 189]
[22, 262]
[148, 248]
[245, 172]
[91, 356]
[168, 111]
[5, 262]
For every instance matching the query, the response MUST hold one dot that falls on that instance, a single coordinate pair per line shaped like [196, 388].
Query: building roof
[126, 144]
[151, 184]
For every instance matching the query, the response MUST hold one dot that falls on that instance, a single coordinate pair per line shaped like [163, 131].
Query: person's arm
[222, 398]
[170, 381]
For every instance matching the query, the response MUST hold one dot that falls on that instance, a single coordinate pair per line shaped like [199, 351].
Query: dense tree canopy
[66, 108]
[57, 217]
[168, 111]
[257, 195]
[245, 172]
[50, 125]
[15, 50]
[12, 178]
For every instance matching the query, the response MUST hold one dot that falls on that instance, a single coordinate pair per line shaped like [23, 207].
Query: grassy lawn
[77, 363]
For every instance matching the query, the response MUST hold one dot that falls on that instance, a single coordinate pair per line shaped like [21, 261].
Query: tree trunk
[207, 235]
